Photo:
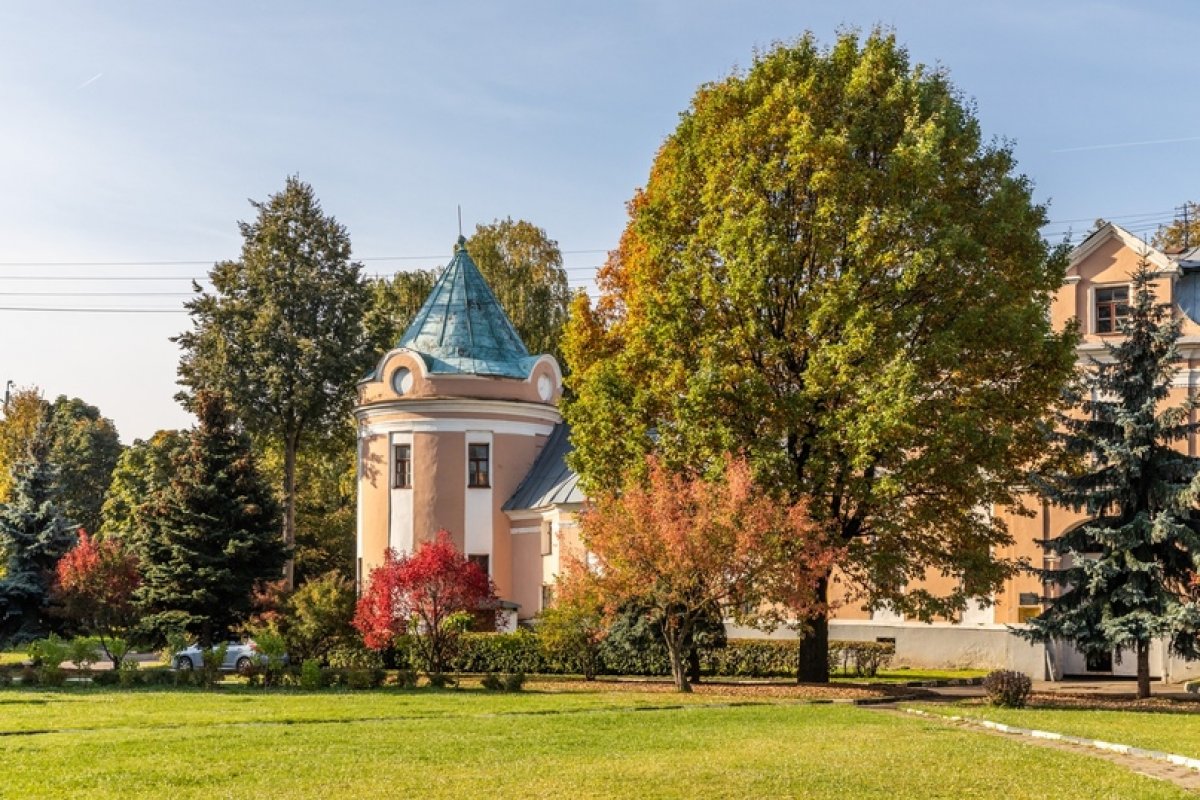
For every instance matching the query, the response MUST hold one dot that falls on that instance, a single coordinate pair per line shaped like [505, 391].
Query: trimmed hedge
[863, 659]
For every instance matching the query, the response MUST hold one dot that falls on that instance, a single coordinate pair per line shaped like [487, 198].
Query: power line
[179, 263]
[97, 310]
[97, 294]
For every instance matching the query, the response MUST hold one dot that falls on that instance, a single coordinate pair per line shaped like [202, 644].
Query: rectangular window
[478, 467]
[1112, 306]
[547, 538]
[481, 561]
[402, 464]
[547, 595]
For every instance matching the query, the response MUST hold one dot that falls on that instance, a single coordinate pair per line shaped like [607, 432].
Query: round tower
[449, 423]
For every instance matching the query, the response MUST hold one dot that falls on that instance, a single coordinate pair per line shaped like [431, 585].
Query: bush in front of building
[861, 659]
[1007, 688]
[751, 658]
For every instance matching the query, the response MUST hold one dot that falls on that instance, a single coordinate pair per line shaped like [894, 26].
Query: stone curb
[876, 701]
[1095, 744]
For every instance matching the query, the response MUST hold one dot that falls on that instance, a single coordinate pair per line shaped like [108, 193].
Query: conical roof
[462, 329]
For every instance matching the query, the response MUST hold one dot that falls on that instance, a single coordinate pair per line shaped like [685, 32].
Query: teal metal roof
[550, 481]
[462, 330]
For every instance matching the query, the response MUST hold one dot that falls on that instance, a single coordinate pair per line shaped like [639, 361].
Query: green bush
[128, 673]
[106, 677]
[863, 659]
[492, 682]
[1007, 688]
[520, 651]
[406, 678]
[30, 676]
[83, 651]
[365, 678]
[6, 678]
[752, 658]
[311, 675]
[354, 656]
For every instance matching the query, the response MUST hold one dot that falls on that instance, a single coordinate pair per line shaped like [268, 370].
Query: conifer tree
[33, 536]
[1126, 574]
[212, 532]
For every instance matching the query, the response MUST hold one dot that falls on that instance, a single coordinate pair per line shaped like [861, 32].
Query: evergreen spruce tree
[211, 534]
[33, 536]
[1126, 574]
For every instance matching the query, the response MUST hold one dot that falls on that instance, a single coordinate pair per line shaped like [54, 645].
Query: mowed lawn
[388, 743]
[1154, 730]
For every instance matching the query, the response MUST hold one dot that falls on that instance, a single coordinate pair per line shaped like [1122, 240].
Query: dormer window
[1112, 306]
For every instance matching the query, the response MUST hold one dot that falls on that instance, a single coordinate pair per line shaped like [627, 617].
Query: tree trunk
[693, 664]
[1143, 669]
[290, 446]
[813, 663]
[675, 654]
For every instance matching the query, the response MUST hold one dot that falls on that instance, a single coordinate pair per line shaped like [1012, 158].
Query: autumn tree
[212, 532]
[281, 332]
[319, 616]
[95, 583]
[1128, 575]
[23, 410]
[685, 549]
[33, 537]
[573, 627]
[524, 268]
[423, 595]
[1181, 234]
[831, 270]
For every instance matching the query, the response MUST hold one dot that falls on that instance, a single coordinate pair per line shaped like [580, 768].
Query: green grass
[1172, 732]
[455, 744]
[8, 657]
[906, 675]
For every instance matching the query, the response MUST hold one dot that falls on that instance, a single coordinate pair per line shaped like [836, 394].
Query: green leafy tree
[85, 448]
[524, 268]
[281, 333]
[1127, 575]
[143, 470]
[213, 532]
[831, 271]
[33, 536]
[319, 615]
[393, 305]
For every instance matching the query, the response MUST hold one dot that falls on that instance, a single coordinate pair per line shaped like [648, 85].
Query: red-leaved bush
[422, 594]
[94, 583]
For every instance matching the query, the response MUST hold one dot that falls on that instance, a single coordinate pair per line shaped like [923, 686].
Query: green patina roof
[462, 330]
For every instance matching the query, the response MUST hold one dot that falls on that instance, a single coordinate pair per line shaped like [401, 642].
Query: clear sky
[135, 132]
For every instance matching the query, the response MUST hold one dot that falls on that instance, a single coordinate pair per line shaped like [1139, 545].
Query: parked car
[238, 657]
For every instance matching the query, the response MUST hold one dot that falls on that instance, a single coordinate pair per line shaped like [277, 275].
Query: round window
[402, 381]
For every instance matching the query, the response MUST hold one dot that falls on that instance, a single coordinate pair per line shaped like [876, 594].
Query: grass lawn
[1154, 730]
[389, 743]
[12, 657]
[906, 675]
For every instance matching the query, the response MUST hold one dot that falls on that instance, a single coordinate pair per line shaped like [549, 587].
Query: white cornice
[433, 408]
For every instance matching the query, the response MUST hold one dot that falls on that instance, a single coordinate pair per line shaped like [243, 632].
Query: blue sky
[135, 132]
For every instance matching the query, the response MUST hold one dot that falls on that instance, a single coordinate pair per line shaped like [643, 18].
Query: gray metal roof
[462, 329]
[550, 481]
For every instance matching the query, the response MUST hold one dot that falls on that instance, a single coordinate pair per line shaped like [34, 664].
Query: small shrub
[311, 675]
[6, 678]
[1007, 688]
[354, 656]
[176, 641]
[514, 682]
[53, 676]
[492, 682]
[30, 676]
[440, 680]
[213, 659]
[106, 677]
[83, 652]
[127, 673]
[863, 659]
[406, 678]
[365, 678]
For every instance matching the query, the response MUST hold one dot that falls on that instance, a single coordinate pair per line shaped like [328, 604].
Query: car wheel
[243, 665]
[184, 664]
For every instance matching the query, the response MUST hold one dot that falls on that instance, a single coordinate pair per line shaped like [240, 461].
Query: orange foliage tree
[685, 548]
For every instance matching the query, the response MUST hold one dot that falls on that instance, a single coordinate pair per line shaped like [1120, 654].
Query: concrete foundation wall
[948, 646]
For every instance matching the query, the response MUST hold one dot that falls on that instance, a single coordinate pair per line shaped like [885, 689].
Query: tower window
[479, 465]
[1112, 306]
[482, 561]
[402, 466]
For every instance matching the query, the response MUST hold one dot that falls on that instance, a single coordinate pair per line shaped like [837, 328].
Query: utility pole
[7, 386]
[1185, 209]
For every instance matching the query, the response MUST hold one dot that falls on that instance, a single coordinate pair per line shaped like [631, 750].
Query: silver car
[238, 657]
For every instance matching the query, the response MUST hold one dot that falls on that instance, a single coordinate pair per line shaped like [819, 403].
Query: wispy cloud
[1126, 144]
[91, 80]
